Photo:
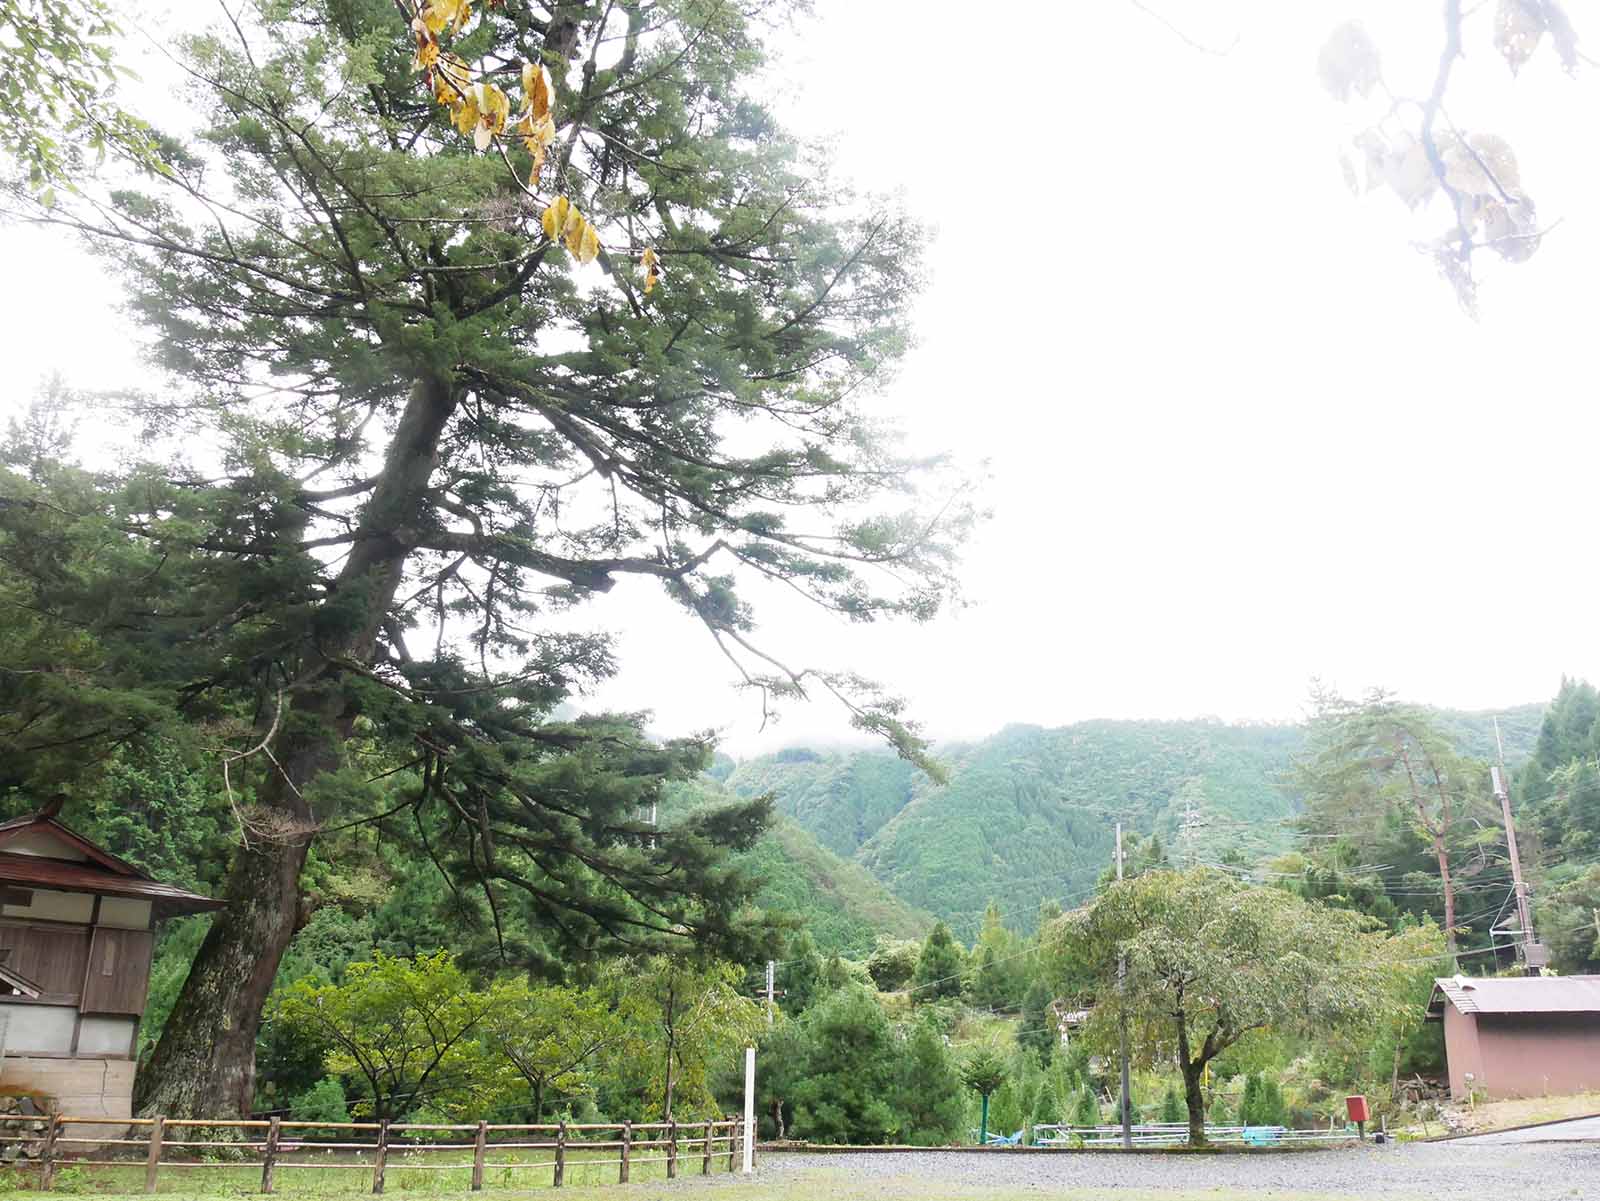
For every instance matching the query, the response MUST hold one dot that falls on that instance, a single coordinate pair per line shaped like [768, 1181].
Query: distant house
[76, 931]
[1523, 1036]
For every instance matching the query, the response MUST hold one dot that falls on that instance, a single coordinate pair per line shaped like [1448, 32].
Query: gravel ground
[1537, 1172]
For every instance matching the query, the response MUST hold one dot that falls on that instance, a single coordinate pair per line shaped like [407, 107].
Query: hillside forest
[461, 322]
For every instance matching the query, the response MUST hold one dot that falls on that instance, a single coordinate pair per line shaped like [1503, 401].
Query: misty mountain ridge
[1029, 813]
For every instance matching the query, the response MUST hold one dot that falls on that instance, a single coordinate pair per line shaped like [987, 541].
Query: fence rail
[165, 1145]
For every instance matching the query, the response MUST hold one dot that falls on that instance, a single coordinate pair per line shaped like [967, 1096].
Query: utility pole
[1192, 821]
[1533, 953]
[1122, 974]
[770, 991]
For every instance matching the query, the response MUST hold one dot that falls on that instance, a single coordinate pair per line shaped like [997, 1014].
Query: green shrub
[1172, 1107]
[1087, 1110]
[324, 1101]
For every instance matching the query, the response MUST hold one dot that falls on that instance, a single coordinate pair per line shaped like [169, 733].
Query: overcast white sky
[1238, 433]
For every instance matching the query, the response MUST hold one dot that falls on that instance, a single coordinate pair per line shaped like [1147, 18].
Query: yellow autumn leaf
[466, 113]
[572, 231]
[555, 217]
[438, 15]
[647, 260]
[536, 90]
[493, 109]
[536, 137]
[427, 54]
[588, 244]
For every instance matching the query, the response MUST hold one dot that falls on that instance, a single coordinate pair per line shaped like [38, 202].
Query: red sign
[1357, 1108]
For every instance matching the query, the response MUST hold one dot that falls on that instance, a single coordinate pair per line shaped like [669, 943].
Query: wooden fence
[374, 1146]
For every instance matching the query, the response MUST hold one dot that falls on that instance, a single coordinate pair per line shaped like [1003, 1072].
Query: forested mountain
[1029, 813]
[839, 902]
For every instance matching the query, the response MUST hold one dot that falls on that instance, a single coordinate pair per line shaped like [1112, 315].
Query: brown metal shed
[1519, 1036]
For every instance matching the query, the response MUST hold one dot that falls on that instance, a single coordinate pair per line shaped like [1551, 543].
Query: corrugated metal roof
[1519, 994]
[70, 876]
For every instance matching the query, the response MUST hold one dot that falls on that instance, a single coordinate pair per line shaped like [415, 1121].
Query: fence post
[153, 1161]
[561, 1152]
[627, 1149]
[733, 1143]
[672, 1148]
[269, 1154]
[47, 1159]
[380, 1159]
[479, 1146]
[705, 1164]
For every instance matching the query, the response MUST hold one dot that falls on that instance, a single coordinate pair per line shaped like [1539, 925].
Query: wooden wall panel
[55, 957]
[119, 971]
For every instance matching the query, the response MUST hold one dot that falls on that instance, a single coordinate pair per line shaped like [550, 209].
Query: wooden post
[153, 1160]
[627, 1148]
[561, 1153]
[269, 1154]
[672, 1148]
[479, 1146]
[47, 1160]
[380, 1159]
[732, 1142]
[705, 1163]
[749, 1126]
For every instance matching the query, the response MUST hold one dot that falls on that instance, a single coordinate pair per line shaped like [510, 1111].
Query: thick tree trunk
[1195, 1098]
[1192, 1067]
[204, 1065]
[1449, 894]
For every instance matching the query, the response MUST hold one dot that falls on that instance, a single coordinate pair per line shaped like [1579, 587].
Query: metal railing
[371, 1146]
[1171, 1134]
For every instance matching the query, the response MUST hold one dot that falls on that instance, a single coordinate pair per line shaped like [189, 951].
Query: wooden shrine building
[76, 932]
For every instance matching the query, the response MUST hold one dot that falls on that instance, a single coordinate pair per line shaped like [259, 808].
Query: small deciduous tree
[407, 1028]
[686, 1017]
[1210, 960]
[551, 1036]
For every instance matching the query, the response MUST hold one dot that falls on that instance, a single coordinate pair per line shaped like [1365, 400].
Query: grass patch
[407, 1173]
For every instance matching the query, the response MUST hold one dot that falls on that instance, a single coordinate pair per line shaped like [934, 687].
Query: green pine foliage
[931, 1105]
[940, 967]
[1086, 1109]
[847, 1090]
[999, 964]
[1172, 1107]
[1038, 1031]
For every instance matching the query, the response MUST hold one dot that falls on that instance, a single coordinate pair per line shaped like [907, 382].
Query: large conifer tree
[412, 409]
